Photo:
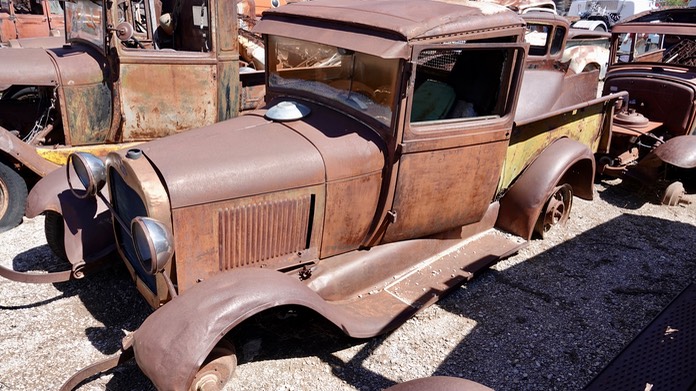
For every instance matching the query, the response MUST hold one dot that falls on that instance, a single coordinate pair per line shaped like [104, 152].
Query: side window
[460, 83]
[180, 25]
[558, 36]
[537, 36]
[5, 6]
[32, 7]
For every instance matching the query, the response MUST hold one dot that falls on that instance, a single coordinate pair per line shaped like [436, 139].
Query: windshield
[84, 21]
[352, 80]
[656, 48]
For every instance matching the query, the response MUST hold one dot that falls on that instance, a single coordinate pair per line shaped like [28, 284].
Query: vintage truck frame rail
[653, 57]
[389, 164]
[124, 77]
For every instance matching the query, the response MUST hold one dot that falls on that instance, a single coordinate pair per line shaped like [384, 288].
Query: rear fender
[87, 222]
[173, 342]
[564, 161]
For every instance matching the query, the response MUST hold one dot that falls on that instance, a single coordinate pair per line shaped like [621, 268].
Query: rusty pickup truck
[402, 147]
[130, 72]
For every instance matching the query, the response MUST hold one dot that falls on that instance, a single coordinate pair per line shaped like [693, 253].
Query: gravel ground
[548, 318]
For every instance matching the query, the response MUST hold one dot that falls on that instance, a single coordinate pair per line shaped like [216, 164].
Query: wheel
[13, 198]
[673, 194]
[55, 233]
[217, 369]
[556, 210]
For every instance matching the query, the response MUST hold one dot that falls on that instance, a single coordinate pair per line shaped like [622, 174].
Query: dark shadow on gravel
[608, 282]
[627, 194]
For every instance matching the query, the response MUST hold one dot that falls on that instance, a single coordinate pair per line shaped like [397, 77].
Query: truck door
[454, 139]
[168, 75]
[7, 26]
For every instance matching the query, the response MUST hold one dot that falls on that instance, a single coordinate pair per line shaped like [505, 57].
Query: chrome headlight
[153, 243]
[91, 172]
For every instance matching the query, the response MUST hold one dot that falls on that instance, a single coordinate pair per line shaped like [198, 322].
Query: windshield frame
[82, 31]
[335, 81]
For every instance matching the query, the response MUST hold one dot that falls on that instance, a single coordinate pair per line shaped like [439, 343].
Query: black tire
[55, 233]
[13, 198]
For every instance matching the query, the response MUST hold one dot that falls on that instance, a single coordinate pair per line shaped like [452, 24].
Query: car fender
[87, 221]
[679, 151]
[20, 152]
[565, 160]
[173, 342]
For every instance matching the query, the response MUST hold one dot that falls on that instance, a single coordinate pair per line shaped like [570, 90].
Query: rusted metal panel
[276, 230]
[409, 21]
[254, 233]
[27, 66]
[432, 186]
[177, 98]
[250, 154]
[89, 113]
[228, 90]
[345, 231]
[527, 141]
[31, 25]
[226, 31]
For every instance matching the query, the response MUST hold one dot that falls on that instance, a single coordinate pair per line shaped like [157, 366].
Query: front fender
[679, 151]
[566, 161]
[87, 222]
[172, 343]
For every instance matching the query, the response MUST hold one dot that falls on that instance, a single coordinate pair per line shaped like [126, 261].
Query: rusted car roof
[412, 20]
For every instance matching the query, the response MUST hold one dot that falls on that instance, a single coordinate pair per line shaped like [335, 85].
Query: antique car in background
[125, 76]
[653, 57]
[388, 165]
[21, 19]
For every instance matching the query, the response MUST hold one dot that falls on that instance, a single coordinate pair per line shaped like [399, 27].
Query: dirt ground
[548, 318]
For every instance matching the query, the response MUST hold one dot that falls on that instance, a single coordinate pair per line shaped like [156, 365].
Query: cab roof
[387, 25]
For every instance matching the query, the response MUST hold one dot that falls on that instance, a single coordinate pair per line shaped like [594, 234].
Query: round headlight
[153, 243]
[91, 172]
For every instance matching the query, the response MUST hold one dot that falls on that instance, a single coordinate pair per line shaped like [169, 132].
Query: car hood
[232, 159]
[27, 66]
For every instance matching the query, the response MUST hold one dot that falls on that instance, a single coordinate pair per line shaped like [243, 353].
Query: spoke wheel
[673, 194]
[217, 368]
[13, 198]
[556, 211]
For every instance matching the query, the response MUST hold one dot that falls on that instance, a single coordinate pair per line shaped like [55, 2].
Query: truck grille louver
[253, 233]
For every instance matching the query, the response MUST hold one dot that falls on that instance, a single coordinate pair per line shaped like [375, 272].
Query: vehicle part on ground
[440, 383]
[361, 206]
[217, 369]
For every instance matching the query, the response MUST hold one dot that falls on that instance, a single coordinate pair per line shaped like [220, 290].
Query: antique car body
[601, 15]
[653, 58]
[30, 18]
[387, 166]
[121, 79]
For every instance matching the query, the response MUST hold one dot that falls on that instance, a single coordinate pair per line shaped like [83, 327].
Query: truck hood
[27, 66]
[236, 158]
[68, 65]
[251, 155]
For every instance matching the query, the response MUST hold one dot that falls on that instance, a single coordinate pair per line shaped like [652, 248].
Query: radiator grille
[253, 233]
